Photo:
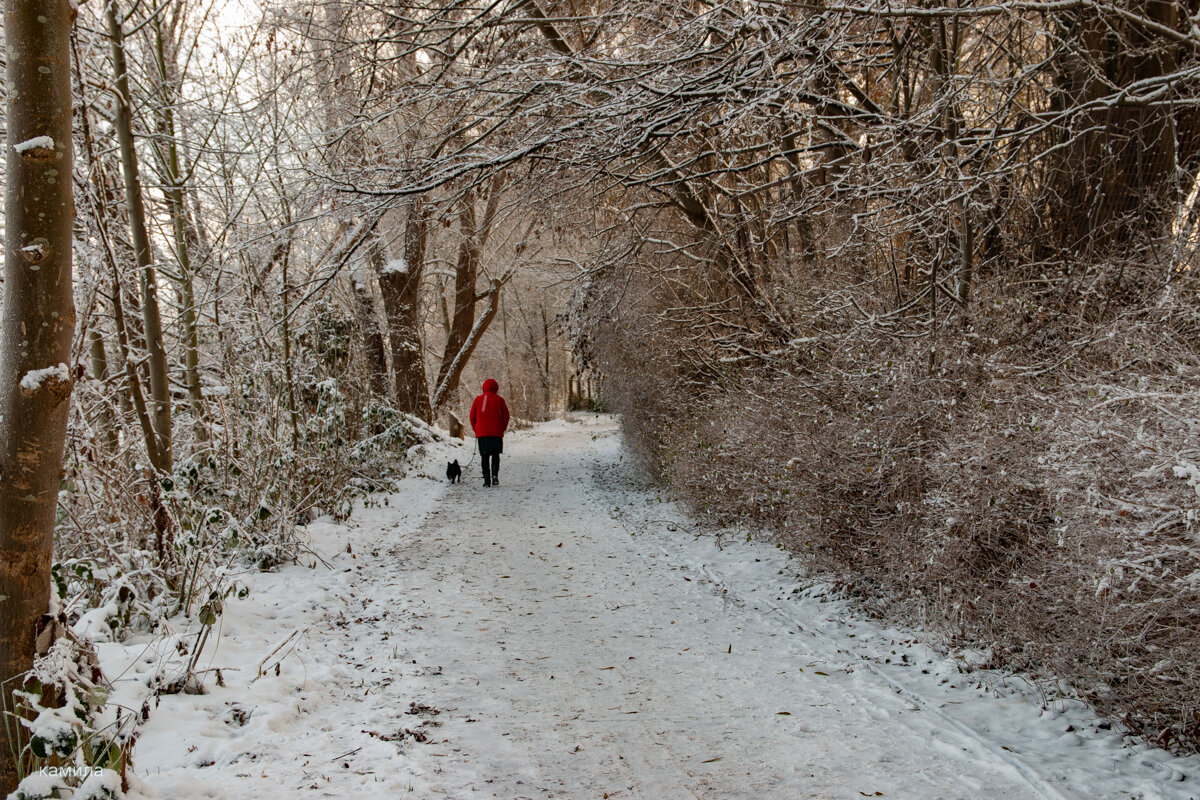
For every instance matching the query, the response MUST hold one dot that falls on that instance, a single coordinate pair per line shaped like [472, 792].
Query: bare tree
[160, 390]
[467, 325]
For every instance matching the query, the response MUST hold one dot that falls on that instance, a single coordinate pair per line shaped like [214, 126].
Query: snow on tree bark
[400, 290]
[36, 327]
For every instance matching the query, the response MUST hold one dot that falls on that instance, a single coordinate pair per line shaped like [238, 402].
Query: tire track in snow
[723, 589]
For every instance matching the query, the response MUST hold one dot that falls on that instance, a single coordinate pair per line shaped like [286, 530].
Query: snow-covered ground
[568, 635]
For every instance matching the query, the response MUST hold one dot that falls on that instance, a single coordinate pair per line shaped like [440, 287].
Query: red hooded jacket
[489, 412]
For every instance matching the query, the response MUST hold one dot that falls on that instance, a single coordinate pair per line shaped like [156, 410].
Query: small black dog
[454, 471]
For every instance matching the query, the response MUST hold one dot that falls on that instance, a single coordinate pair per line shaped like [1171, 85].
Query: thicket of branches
[258, 339]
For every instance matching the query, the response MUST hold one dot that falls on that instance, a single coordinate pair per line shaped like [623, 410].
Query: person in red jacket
[489, 421]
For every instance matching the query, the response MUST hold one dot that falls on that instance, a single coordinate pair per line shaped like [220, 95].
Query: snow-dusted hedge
[1039, 500]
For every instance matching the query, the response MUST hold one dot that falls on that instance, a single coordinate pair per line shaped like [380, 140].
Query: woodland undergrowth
[1026, 482]
[141, 556]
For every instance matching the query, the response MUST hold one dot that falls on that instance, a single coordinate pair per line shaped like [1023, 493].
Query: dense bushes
[1038, 499]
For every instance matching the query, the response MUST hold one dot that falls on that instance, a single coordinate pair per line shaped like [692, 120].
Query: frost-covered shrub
[103, 784]
[40, 786]
[1025, 482]
[76, 744]
[1125, 611]
[50, 784]
[276, 443]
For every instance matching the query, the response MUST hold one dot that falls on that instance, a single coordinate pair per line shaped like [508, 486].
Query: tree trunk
[160, 390]
[1114, 178]
[466, 272]
[445, 387]
[285, 333]
[459, 344]
[109, 439]
[364, 307]
[546, 368]
[133, 380]
[131, 398]
[36, 328]
[172, 178]
[400, 289]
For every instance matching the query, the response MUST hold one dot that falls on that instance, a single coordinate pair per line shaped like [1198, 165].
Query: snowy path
[564, 636]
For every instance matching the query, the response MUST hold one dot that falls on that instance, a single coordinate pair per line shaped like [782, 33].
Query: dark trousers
[490, 448]
[491, 466]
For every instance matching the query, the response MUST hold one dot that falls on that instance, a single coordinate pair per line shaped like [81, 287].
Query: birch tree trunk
[36, 327]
